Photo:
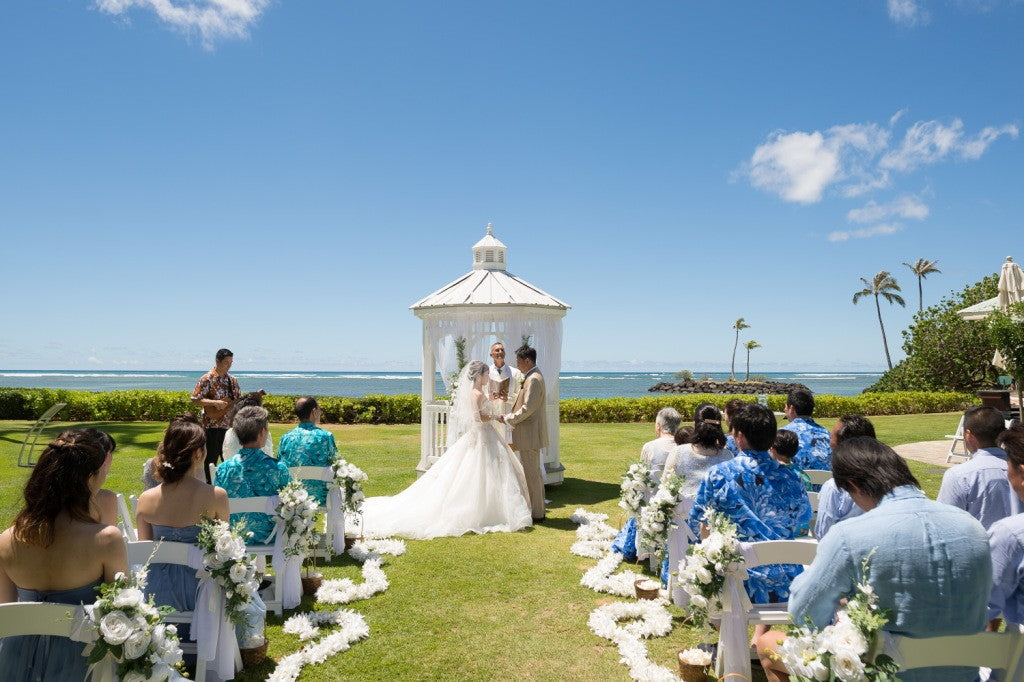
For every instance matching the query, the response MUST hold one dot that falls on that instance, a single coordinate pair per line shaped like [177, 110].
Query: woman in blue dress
[172, 511]
[57, 522]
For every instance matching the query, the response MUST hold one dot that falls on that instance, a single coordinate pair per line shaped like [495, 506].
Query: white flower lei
[593, 535]
[635, 483]
[349, 477]
[353, 629]
[366, 549]
[297, 509]
[344, 591]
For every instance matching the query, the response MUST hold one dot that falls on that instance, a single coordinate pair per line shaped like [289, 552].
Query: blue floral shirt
[309, 445]
[767, 501]
[815, 444]
[730, 445]
[251, 473]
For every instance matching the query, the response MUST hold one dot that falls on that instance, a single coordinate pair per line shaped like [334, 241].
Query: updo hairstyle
[476, 368]
[683, 435]
[184, 435]
[59, 483]
[707, 427]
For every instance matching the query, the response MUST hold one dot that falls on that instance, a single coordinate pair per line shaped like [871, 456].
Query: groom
[530, 427]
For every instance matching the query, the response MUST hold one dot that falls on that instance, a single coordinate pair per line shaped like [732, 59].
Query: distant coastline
[573, 384]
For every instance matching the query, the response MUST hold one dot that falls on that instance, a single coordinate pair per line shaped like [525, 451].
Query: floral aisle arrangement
[593, 540]
[229, 564]
[132, 638]
[594, 536]
[297, 511]
[656, 517]
[702, 572]
[349, 478]
[635, 483]
[843, 650]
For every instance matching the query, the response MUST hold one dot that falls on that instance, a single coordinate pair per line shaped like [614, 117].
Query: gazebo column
[428, 417]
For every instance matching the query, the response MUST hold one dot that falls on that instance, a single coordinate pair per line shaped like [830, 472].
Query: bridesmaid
[58, 521]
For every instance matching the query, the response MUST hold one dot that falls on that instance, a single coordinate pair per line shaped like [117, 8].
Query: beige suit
[529, 434]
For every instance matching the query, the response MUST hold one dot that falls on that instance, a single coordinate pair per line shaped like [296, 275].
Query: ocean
[357, 384]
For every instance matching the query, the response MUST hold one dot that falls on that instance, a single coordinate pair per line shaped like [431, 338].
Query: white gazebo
[485, 305]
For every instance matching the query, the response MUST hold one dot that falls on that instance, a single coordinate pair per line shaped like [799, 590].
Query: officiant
[505, 383]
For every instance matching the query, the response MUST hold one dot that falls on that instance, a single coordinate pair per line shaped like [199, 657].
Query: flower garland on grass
[841, 651]
[702, 571]
[656, 517]
[344, 590]
[132, 636]
[365, 549]
[349, 477]
[593, 535]
[635, 483]
[229, 563]
[297, 510]
[353, 629]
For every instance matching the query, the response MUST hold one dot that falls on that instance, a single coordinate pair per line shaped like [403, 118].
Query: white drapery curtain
[483, 327]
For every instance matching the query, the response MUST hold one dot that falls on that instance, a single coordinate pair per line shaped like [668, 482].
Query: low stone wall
[726, 387]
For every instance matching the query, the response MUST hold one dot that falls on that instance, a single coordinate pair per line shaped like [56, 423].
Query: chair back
[126, 521]
[312, 473]
[814, 499]
[818, 476]
[35, 618]
[782, 552]
[996, 650]
[212, 468]
[158, 552]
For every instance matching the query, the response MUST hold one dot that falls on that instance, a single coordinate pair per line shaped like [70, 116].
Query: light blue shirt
[309, 445]
[979, 486]
[815, 444]
[251, 473]
[834, 505]
[1006, 542]
[930, 568]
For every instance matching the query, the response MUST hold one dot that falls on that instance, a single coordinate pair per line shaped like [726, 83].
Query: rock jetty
[726, 387]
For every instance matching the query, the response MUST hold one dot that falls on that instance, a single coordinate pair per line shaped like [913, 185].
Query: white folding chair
[814, 499]
[36, 618]
[1003, 651]
[34, 432]
[957, 439]
[818, 476]
[126, 521]
[325, 474]
[258, 505]
[212, 468]
[762, 554]
[174, 553]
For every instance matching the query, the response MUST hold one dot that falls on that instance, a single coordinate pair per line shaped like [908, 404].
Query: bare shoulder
[6, 541]
[108, 537]
[219, 493]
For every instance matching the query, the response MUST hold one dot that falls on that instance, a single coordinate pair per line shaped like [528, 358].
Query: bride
[477, 486]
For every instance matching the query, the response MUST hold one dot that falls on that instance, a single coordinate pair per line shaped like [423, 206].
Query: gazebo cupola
[485, 305]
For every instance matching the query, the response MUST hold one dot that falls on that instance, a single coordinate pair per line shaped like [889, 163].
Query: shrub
[683, 375]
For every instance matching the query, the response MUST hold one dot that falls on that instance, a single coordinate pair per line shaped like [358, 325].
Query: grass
[490, 607]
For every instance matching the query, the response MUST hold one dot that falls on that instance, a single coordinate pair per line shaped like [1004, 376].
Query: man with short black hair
[815, 451]
[308, 445]
[979, 485]
[835, 505]
[765, 499]
[929, 562]
[216, 391]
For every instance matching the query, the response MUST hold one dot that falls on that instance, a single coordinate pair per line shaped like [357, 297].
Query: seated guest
[979, 485]
[251, 473]
[309, 445]
[1006, 540]
[105, 501]
[57, 551]
[834, 504]
[231, 442]
[930, 565]
[704, 450]
[765, 499]
[727, 412]
[815, 449]
[683, 435]
[784, 447]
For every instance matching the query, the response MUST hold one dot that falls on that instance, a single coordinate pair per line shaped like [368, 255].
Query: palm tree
[740, 324]
[922, 268]
[750, 345]
[883, 285]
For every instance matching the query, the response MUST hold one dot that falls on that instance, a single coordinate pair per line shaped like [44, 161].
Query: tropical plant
[883, 284]
[1007, 331]
[922, 268]
[739, 325]
[683, 375]
[750, 345]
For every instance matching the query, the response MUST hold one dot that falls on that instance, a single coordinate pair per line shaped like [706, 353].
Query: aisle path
[929, 452]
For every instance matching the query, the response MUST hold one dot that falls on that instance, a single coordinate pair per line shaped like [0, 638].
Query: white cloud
[906, 206]
[973, 149]
[928, 142]
[212, 20]
[907, 12]
[864, 232]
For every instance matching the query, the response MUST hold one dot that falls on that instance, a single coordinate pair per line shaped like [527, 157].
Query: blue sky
[285, 178]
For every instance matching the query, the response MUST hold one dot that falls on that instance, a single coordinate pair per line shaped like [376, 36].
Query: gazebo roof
[489, 284]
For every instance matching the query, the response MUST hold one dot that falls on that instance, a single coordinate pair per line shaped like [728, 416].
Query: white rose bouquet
[635, 483]
[843, 650]
[298, 512]
[229, 564]
[656, 517]
[349, 477]
[131, 632]
[702, 572]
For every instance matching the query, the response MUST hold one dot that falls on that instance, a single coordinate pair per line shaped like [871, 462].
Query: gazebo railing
[434, 423]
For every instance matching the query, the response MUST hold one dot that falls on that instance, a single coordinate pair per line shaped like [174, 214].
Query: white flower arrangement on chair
[229, 564]
[297, 510]
[702, 572]
[349, 477]
[131, 635]
[656, 517]
[635, 483]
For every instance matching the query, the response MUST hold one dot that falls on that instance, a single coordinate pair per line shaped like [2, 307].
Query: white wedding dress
[477, 486]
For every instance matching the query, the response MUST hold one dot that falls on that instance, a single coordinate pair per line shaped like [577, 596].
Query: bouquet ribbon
[733, 642]
[679, 539]
[211, 628]
[84, 629]
[336, 514]
[289, 569]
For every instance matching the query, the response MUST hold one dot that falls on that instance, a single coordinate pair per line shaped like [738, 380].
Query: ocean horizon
[573, 384]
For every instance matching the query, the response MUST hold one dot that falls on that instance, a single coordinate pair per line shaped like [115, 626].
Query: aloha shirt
[307, 445]
[251, 473]
[815, 444]
[216, 387]
[767, 501]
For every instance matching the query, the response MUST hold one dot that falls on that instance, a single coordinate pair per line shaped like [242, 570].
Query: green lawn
[491, 607]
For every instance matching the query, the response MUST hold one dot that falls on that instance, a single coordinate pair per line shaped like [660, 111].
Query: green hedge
[29, 403]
